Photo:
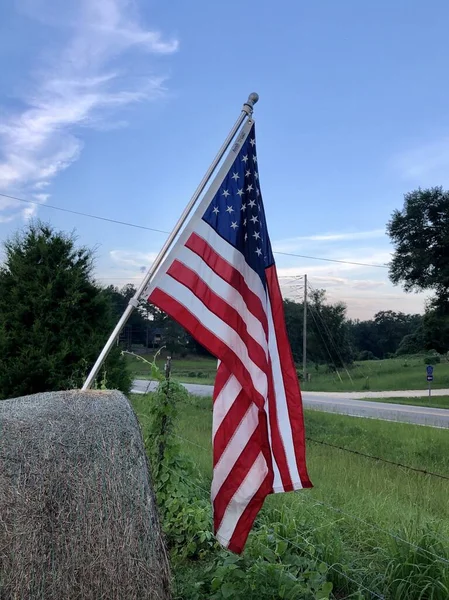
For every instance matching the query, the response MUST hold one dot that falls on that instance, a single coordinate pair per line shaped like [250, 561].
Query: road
[347, 404]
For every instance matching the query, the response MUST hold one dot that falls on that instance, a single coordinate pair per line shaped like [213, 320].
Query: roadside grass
[406, 373]
[360, 510]
[433, 402]
[185, 370]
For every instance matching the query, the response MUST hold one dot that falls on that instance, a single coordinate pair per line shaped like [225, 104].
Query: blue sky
[116, 108]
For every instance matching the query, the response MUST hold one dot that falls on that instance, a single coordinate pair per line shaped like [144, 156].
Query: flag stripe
[230, 485]
[231, 275]
[234, 449]
[246, 520]
[209, 340]
[235, 294]
[219, 307]
[251, 482]
[224, 396]
[229, 424]
[231, 344]
[288, 382]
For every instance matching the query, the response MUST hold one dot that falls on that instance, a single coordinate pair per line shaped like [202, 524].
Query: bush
[430, 359]
[366, 355]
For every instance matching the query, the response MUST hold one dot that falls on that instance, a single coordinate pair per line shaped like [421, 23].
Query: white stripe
[227, 292]
[283, 417]
[235, 447]
[224, 401]
[233, 257]
[250, 485]
[218, 327]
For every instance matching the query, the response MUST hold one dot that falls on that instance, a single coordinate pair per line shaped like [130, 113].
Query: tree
[420, 235]
[54, 319]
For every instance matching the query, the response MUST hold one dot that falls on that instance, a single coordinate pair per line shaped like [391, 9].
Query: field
[377, 524]
[375, 375]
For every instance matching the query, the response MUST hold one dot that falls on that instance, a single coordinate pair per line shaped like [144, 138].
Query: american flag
[219, 282]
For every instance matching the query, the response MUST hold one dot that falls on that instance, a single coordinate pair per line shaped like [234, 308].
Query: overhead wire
[128, 224]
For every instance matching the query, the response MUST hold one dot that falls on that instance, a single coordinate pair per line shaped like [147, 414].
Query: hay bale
[78, 517]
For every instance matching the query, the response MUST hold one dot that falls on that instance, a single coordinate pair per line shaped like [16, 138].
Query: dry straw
[78, 517]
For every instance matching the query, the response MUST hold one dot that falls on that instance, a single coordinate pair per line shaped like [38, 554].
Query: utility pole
[304, 333]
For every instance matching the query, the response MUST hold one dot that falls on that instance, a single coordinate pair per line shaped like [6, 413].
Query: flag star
[252, 203]
[256, 175]
[248, 173]
[258, 251]
[215, 211]
[254, 219]
[250, 187]
[246, 236]
[229, 210]
[257, 192]
[256, 235]
[244, 222]
[254, 158]
[245, 158]
[235, 176]
[243, 208]
[234, 225]
[259, 207]
[252, 142]
[225, 193]
[240, 192]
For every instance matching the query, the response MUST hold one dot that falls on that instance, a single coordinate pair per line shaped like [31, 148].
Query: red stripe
[221, 379]
[236, 476]
[211, 342]
[229, 274]
[215, 303]
[277, 443]
[230, 423]
[245, 523]
[290, 379]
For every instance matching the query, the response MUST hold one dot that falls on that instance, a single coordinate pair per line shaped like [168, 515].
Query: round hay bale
[78, 517]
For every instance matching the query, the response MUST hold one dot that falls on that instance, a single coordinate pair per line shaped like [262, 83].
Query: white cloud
[424, 161]
[295, 243]
[79, 87]
[132, 259]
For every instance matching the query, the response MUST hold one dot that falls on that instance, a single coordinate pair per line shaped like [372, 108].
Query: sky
[117, 107]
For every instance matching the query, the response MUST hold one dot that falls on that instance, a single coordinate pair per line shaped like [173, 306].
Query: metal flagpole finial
[249, 104]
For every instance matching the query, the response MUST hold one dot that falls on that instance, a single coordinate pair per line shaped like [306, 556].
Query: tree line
[55, 317]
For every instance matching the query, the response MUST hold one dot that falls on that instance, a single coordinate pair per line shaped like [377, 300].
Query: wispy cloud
[80, 87]
[301, 242]
[429, 159]
[139, 260]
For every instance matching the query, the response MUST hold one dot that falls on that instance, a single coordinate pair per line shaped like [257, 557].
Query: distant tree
[54, 319]
[420, 236]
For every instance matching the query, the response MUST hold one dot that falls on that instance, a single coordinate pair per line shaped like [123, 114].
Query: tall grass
[379, 524]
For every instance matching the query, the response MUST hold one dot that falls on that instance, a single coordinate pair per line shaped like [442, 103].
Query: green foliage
[54, 320]
[420, 235]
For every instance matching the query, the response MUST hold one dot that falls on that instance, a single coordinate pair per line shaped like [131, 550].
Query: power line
[90, 216]
[82, 214]
[384, 460]
[344, 262]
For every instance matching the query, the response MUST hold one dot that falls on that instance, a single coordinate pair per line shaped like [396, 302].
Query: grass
[433, 402]
[190, 370]
[408, 373]
[346, 518]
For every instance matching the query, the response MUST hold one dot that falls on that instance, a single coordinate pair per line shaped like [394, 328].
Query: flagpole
[247, 111]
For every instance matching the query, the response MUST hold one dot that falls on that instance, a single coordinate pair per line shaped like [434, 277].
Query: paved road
[347, 404]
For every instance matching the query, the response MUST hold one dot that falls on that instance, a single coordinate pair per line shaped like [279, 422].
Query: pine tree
[54, 319]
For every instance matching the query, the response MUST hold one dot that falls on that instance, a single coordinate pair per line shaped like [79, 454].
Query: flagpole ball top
[253, 98]
[249, 104]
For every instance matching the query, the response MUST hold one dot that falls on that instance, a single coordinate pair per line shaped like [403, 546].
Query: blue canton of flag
[237, 213]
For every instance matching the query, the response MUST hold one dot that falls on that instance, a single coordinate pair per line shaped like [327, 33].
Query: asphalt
[347, 404]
